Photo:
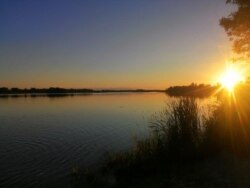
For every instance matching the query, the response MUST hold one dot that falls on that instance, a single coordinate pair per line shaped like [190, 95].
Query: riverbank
[186, 149]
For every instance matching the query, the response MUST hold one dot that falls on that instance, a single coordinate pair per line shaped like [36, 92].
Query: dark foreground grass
[186, 148]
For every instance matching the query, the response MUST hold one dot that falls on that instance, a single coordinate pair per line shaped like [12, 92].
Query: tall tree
[237, 27]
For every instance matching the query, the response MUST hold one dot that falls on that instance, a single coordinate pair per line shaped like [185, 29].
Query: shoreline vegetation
[195, 90]
[186, 148]
[58, 90]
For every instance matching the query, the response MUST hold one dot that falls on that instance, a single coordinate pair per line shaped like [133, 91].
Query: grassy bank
[187, 148]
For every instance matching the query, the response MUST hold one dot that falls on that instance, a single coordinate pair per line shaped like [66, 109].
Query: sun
[230, 78]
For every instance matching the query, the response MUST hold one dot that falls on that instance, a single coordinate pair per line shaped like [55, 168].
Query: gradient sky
[112, 43]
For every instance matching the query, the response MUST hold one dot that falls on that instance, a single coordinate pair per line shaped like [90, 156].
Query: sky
[112, 43]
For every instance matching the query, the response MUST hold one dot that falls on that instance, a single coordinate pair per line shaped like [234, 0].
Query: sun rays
[231, 77]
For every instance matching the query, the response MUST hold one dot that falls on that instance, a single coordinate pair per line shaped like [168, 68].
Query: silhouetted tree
[237, 27]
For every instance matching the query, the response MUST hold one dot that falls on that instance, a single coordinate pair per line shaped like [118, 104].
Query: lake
[43, 138]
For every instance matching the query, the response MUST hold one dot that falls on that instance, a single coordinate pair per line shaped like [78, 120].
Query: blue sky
[111, 43]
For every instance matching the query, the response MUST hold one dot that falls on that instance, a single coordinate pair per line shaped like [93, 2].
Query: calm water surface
[42, 138]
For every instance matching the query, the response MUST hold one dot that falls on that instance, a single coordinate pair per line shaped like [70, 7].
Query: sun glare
[230, 78]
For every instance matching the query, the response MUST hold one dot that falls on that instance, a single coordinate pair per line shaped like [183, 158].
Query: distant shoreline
[65, 92]
[57, 90]
[194, 90]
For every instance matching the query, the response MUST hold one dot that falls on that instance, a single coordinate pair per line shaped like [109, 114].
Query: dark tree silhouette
[237, 27]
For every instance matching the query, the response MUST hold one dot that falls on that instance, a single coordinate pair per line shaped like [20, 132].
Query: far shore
[29, 93]
[195, 90]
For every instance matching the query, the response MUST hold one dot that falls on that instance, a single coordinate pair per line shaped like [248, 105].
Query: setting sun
[230, 78]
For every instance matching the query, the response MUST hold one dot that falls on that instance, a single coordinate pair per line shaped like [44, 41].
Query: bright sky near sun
[111, 44]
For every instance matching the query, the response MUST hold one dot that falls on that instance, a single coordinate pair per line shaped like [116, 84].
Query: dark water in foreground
[42, 138]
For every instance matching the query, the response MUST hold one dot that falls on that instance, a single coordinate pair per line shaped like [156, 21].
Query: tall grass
[178, 128]
[182, 134]
[177, 135]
